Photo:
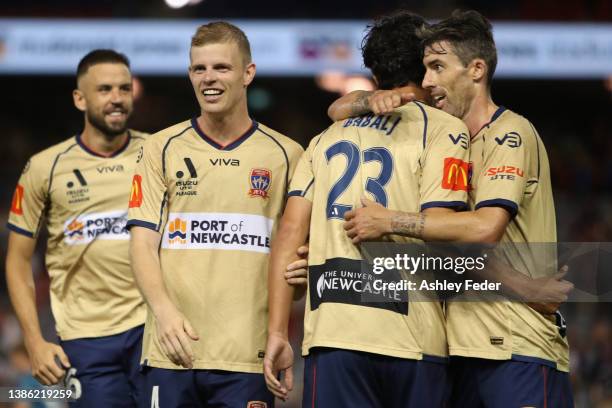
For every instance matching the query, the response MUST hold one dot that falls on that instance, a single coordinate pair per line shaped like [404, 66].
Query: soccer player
[391, 352]
[208, 194]
[507, 354]
[78, 190]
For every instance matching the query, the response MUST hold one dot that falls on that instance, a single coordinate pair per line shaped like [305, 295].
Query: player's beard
[110, 131]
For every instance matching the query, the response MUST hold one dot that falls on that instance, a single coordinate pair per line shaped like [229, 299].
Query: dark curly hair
[471, 36]
[392, 49]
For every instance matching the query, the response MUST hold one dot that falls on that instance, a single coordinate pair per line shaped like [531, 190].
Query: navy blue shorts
[205, 388]
[105, 371]
[335, 378]
[480, 383]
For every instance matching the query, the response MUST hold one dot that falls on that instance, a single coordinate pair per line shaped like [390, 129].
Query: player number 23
[375, 186]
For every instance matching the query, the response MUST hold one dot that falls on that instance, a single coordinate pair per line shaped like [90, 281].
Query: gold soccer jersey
[511, 170]
[216, 208]
[411, 160]
[82, 198]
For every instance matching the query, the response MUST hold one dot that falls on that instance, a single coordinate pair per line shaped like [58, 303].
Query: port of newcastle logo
[75, 230]
[177, 231]
[17, 203]
[260, 180]
[86, 228]
[136, 193]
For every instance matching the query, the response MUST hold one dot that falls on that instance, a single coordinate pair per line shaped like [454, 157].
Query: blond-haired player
[206, 199]
[78, 190]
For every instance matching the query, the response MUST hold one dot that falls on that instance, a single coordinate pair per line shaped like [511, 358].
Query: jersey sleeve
[29, 199]
[303, 178]
[148, 194]
[503, 180]
[445, 167]
[294, 155]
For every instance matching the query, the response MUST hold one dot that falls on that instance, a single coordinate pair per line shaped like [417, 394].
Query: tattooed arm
[361, 102]
[485, 225]
[352, 104]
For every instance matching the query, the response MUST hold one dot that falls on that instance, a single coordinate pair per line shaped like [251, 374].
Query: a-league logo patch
[260, 181]
[17, 203]
[136, 193]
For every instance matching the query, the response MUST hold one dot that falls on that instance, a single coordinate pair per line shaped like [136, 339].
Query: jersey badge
[260, 180]
[17, 203]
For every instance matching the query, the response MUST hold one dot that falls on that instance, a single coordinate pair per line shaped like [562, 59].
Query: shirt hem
[206, 365]
[84, 334]
[509, 356]
[392, 352]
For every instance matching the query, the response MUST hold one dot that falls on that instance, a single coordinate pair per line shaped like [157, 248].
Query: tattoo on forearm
[361, 105]
[409, 224]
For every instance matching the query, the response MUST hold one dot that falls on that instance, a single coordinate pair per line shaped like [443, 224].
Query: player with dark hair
[78, 190]
[392, 352]
[208, 194]
[507, 354]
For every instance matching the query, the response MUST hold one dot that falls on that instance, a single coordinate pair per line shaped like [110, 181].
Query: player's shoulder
[431, 117]
[508, 120]
[509, 127]
[283, 141]
[46, 157]
[162, 137]
[139, 136]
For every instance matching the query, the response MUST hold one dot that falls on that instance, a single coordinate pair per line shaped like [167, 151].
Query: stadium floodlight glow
[176, 4]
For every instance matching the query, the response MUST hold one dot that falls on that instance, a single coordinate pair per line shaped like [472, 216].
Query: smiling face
[104, 93]
[219, 76]
[448, 79]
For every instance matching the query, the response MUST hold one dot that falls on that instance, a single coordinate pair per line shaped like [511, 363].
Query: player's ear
[249, 74]
[478, 69]
[79, 100]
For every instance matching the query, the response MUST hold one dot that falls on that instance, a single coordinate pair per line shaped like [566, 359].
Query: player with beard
[506, 354]
[78, 190]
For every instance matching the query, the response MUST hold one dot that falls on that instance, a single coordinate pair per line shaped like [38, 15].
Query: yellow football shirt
[217, 209]
[511, 170]
[413, 159]
[81, 198]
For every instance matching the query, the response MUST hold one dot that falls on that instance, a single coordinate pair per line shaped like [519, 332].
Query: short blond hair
[222, 32]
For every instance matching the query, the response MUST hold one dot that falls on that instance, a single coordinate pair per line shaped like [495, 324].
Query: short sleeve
[303, 177]
[29, 199]
[502, 181]
[148, 194]
[445, 167]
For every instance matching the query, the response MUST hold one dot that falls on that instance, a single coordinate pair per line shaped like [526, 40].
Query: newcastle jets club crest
[260, 181]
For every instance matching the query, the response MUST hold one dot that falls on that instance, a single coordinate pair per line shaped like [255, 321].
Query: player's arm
[292, 233]
[173, 329]
[361, 102]
[21, 289]
[149, 190]
[485, 225]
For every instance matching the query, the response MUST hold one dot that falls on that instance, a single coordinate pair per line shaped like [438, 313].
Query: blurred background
[555, 68]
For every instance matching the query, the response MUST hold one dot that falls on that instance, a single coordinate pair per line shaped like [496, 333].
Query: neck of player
[481, 110]
[225, 127]
[102, 143]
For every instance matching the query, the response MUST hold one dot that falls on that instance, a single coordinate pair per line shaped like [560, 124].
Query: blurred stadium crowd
[573, 118]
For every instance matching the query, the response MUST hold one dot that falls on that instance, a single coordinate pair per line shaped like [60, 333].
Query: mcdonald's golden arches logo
[456, 174]
[16, 204]
[136, 193]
